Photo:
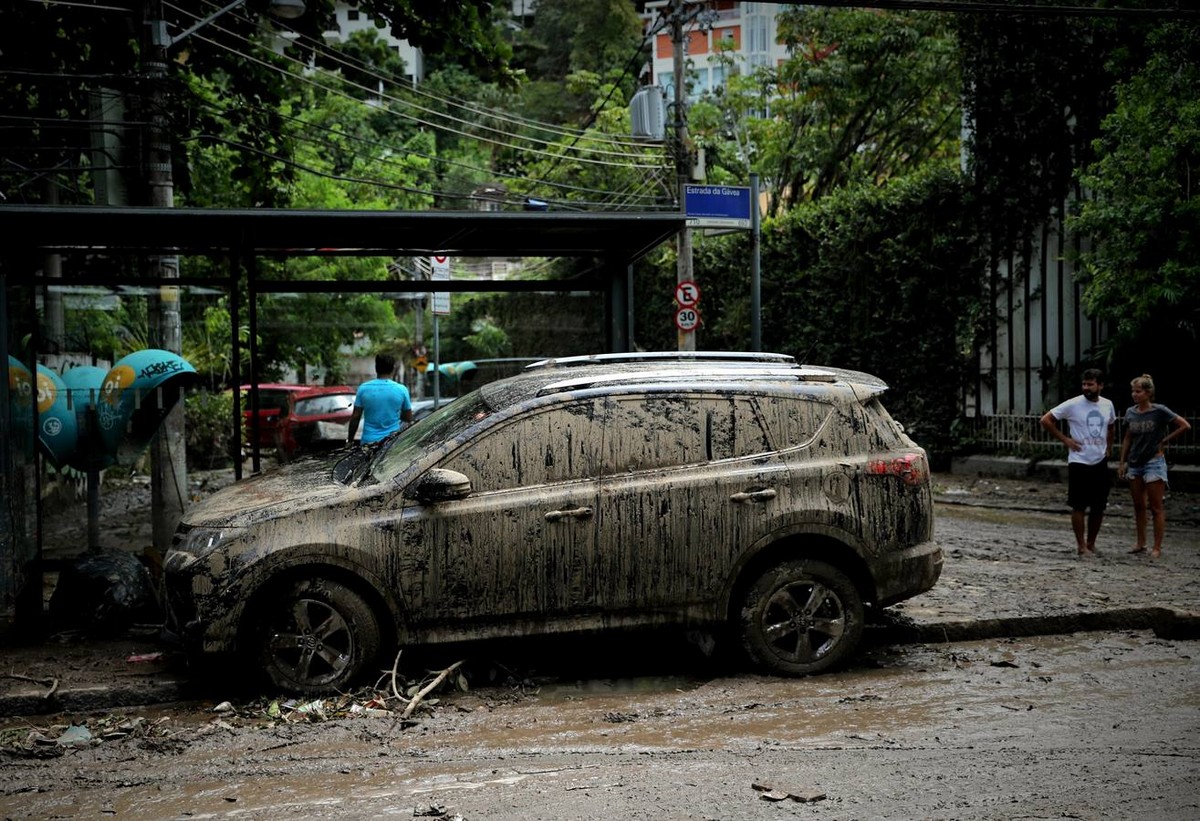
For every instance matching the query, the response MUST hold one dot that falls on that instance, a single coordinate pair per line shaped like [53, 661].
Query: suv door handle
[574, 513]
[754, 495]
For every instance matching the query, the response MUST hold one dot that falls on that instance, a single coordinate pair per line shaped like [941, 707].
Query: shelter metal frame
[615, 239]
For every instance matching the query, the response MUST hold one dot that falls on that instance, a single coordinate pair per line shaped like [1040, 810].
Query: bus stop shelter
[39, 238]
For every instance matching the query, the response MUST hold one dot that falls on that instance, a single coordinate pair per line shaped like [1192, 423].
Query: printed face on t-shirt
[1095, 425]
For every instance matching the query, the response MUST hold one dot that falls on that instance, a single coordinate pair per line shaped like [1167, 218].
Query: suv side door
[690, 481]
[513, 548]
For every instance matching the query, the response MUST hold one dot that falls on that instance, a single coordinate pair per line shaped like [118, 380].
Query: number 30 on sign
[687, 319]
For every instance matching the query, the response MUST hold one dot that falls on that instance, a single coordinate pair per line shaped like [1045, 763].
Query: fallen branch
[430, 687]
[395, 667]
[50, 682]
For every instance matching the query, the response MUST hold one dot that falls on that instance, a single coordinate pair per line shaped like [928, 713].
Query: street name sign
[716, 206]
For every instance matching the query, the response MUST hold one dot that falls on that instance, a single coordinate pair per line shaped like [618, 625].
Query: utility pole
[168, 461]
[683, 158]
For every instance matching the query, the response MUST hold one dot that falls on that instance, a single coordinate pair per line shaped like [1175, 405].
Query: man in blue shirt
[380, 404]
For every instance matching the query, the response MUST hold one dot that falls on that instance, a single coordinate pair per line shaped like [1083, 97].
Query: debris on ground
[103, 593]
[54, 739]
[772, 792]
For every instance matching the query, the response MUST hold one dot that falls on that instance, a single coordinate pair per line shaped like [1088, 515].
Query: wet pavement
[1011, 570]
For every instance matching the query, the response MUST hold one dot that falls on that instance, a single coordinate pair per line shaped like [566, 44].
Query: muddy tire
[315, 636]
[801, 617]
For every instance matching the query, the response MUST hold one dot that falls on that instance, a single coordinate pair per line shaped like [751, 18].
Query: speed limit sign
[687, 319]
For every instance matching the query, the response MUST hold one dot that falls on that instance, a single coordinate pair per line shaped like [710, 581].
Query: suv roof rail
[714, 357]
[739, 375]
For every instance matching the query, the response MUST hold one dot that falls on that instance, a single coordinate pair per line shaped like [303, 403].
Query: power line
[490, 173]
[291, 163]
[467, 105]
[471, 107]
[428, 111]
[418, 120]
[97, 6]
[990, 7]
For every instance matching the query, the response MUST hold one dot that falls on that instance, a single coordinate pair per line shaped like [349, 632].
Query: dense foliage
[864, 96]
[884, 279]
[1142, 206]
[1035, 89]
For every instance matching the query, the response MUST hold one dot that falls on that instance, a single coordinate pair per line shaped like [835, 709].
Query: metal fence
[1019, 435]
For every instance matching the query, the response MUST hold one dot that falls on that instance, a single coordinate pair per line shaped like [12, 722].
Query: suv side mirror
[440, 485]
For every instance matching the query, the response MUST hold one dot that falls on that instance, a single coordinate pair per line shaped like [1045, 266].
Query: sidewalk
[1011, 570]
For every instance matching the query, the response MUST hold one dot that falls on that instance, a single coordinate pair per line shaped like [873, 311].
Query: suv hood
[300, 486]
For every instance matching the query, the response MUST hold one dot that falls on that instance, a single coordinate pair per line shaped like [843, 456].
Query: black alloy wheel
[316, 636]
[801, 617]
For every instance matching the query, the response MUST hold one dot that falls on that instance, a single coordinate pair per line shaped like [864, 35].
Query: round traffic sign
[687, 319]
[687, 294]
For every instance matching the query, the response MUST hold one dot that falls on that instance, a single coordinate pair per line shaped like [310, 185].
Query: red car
[295, 418]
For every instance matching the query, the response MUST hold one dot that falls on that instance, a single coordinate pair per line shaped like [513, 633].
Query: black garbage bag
[104, 594]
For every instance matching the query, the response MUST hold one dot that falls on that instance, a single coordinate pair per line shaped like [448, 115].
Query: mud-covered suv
[626, 490]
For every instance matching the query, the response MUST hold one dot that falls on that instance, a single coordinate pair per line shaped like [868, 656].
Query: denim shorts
[1153, 471]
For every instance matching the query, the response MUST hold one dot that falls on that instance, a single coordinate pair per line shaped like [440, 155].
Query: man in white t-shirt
[1090, 419]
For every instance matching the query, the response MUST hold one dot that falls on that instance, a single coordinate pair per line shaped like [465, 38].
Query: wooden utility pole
[168, 459]
[683, 157]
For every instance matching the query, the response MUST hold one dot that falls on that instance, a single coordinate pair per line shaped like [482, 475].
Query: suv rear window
[794, 421]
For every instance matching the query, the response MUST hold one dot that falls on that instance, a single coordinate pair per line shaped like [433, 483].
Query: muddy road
[1096, 725]
[1085, 725]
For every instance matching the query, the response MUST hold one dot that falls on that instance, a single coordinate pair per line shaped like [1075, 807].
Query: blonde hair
[1145, 382]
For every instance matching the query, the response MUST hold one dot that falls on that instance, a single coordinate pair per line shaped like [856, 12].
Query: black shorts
[1088, 486]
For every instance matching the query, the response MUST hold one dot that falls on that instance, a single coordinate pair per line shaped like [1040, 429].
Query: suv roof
[674, 369]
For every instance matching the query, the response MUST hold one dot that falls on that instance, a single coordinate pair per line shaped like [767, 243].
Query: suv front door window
[522, 544]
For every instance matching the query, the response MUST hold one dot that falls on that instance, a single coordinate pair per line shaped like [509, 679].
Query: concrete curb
[33, 700]
[1165, 622]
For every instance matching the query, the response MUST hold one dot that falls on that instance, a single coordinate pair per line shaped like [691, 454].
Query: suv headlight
[202, 540]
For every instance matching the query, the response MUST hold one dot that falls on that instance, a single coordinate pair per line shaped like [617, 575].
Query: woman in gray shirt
[1147, 432]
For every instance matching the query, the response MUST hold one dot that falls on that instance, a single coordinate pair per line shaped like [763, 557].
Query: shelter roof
[622, 236]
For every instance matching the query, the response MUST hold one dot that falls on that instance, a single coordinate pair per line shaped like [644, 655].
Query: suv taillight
[910, 467]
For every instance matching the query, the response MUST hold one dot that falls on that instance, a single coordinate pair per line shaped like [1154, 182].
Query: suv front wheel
[315, 636]
[801, 617]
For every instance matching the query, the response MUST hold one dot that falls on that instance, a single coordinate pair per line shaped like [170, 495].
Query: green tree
[884, 279]
[224, 87]
[865, 96]
[1036, 88]
[602, 37]
[1142, 198]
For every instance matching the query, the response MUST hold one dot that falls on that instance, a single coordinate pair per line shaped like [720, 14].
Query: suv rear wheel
[801, 617]
[315, 636]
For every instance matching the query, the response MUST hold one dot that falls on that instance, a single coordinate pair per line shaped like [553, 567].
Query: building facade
[746, 32]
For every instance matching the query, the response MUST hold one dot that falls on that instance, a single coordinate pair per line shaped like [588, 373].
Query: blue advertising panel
[716, 206]
[57, 429]
[137, 394]
[84, 384]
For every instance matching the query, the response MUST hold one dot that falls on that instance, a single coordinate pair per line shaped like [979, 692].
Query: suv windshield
[433, 430]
